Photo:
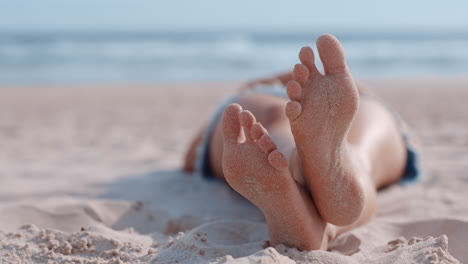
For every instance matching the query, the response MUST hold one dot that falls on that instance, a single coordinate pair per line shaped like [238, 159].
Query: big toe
[231, 123]
[331, 54]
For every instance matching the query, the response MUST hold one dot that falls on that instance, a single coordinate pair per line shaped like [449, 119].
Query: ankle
[342, 203]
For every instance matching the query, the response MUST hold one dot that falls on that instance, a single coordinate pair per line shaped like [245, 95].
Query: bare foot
[321, 110]
[254, 167]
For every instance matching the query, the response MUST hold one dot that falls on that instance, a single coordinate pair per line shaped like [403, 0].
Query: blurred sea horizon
[68, 57]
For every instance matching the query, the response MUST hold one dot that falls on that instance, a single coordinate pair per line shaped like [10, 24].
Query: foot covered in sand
[321, 111]
[254, 167]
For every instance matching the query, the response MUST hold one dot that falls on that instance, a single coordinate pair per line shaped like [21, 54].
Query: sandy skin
[257, 170]
[321, 111]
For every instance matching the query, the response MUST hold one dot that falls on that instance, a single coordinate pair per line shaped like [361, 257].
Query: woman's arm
[191, 154]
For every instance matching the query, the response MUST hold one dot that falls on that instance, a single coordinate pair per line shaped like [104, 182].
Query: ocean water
[86, 57]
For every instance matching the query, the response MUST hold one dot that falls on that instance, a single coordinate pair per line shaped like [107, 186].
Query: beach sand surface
[91, 174]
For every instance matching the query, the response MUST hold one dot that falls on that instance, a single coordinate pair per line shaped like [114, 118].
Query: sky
[239, 14]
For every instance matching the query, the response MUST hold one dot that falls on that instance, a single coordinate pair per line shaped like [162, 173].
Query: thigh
[375, 133]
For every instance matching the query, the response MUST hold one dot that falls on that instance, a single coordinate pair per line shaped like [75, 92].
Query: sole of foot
[254, 167]
[321, 111]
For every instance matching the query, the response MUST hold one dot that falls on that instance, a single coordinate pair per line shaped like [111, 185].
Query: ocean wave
[87, 57]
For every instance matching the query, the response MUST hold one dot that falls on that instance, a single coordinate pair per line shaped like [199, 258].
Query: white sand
[90, 175]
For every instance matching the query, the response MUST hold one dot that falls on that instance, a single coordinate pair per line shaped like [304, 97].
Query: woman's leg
[374, 133]
[339, 151]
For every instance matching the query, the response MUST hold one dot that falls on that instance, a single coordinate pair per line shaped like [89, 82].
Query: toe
[300, 73]
[266, 144]
[247, 120]
[332, 54]
[231, 124]
[307, 58]
[277, 160]
[293, 110]
[257, 131]
[294, 90]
